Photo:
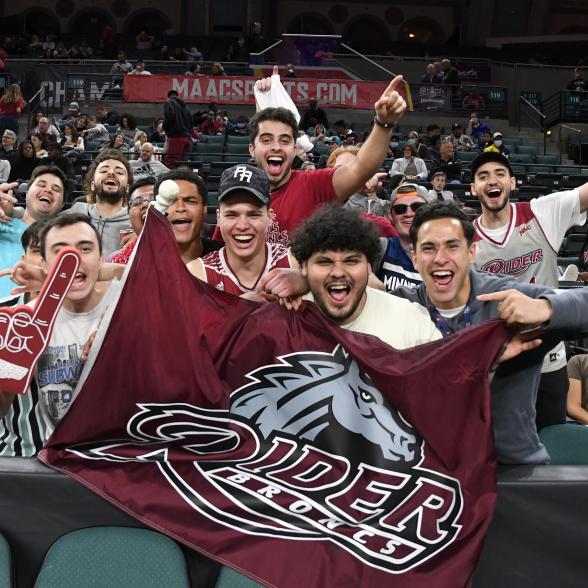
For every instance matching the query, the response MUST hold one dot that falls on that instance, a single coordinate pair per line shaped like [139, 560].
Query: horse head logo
[304, 393]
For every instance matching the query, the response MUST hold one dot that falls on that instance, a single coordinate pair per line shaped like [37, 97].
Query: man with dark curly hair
[336, 250]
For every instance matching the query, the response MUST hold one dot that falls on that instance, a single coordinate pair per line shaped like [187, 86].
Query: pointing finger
[502, 295]
[276, 70]
[56, 287]
[394, 84]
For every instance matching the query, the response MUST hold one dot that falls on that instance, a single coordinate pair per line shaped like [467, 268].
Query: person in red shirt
[296, 194]
[11, 106]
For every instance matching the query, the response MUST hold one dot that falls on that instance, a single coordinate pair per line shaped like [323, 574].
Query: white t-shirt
[60, 365]
[398, 322]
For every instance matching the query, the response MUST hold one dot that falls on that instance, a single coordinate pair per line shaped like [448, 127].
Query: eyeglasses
[402, 208]
[140, 200]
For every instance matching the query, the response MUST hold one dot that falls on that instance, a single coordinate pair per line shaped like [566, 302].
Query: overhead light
[411, 35]
[548, 132]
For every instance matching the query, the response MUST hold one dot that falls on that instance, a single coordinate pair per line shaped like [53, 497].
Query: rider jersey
[220, 275]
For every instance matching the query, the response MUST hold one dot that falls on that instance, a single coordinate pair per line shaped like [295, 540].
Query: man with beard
[107, 184]
[522, 239]
[336, 250]
[44, 199]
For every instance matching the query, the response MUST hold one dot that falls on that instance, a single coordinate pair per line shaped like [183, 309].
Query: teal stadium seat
[527, 149]
[566, 444]
[546, 159]
[518, 170]
[567, 170]
[512, 140]
[521, 158]
[229, 578]
[213, 139]
[232, 139]
[466, 155]
[539, 169]
[113, 557]
[5, 563]
[208, 152]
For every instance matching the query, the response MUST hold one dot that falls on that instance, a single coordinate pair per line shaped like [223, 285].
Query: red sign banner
[239, 90]
[274, 441]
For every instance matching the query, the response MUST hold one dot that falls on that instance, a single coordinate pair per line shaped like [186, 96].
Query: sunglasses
[402, 208]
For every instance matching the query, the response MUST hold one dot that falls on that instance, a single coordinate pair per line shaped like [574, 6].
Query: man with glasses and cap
[396, 267]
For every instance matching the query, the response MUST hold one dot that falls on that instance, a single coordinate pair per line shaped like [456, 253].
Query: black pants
[552, 398]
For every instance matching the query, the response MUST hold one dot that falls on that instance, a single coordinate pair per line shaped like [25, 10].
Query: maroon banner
[239, 90]
[294, 451]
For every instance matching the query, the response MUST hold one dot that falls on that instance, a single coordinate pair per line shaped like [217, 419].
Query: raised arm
[389, 109]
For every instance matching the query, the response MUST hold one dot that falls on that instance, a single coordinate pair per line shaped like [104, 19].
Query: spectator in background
[413, 168]
[438, 73]
[39, 145]
[55, 157]
[96, 131]
[72, 143]
[105, 116]
[421, 149]
[213, 124]
[23, 163]
[291, 72]
[86, 52]
[473, 100]
[486, 142]
[438, 192]
[217, 69]
[475, 128]
[447, 163]
[144, 42]
[140, 139]
[177, 124]
[240, 127]
[496, 144]
[257, 44]
[117, 143]
[127, 127]
[430, 76]
[120, 68]
[431, 140]
[108, 42]
[192, 54]
[164, 54]
[313, 116]
[450, 74]
[49, 132]
[4, 170]
[11, 107]
[158, 134]
[577, 401]
[139, 69]
[238, 51]
[8, 149]
[194, 71]
[578, 84]
[147, 165]
[394, 150]
[459, 140]
[318, 138]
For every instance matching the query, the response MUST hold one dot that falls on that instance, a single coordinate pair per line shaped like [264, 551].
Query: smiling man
[44, 200]
[336, 249]
[458, 296]
[187, 212]
[107, 183]
[296, 194]
[60, 365]
[244, 220]
[522, 239]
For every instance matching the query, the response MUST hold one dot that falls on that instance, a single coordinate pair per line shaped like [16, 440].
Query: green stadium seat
[527, 149]
[207, 152]
[117, 557]
[539, 169]
[213, 139]
[512, 140]
[466, 155]
[229, 578]
[145, 128]
[236, 157]
[212, 199]
[5, 563]
[521, 158]
[566, 444]
[518, 169]
[111, 128]
[231, 139]
[546, 159]
[567, 170]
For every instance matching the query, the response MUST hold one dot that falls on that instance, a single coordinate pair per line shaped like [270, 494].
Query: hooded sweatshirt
[108, 228]
[177, 120]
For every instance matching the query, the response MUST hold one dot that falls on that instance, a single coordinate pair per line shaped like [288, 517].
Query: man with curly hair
[336, 250]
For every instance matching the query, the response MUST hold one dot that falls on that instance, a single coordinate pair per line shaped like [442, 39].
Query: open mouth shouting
[338, 292]
[275, 165]
[442, 279]
[243, 240]
[79, 280]
[181, 225]
[494, 194]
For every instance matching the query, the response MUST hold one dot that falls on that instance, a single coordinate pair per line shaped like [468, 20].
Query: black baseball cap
[245, 177]
[486, 157]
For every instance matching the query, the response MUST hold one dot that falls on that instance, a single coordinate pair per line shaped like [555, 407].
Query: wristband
[383, 125]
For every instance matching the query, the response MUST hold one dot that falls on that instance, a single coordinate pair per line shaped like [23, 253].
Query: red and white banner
[239, 90]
